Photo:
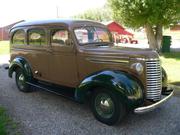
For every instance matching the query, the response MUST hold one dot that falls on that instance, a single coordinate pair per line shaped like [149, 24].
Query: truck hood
[123, 51]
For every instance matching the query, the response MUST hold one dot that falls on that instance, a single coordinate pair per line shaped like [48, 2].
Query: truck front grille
[153, 79]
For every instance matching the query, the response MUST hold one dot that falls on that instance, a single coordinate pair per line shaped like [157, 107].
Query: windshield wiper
[104, 43]
[98, 44]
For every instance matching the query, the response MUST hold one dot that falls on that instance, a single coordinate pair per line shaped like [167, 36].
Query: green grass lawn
[7, 126]
[171, 63]
[4, 47]
[3, 122]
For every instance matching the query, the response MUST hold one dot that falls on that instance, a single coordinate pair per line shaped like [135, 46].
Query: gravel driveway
[43, 113]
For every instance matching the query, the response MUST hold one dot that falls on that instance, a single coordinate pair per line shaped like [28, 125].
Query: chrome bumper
[148, 108]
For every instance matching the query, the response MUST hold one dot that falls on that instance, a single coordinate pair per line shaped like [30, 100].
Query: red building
[120, 34]
[175, 27]
[114, 27]
[4, 31]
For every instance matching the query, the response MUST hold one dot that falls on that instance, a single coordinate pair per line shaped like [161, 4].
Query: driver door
[63, 66]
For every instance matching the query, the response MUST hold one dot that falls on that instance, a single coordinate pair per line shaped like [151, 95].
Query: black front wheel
[21, 81]
[106, 107]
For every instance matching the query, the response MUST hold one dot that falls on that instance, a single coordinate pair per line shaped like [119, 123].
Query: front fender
[128, 89]
[22, 63]
[164, 78]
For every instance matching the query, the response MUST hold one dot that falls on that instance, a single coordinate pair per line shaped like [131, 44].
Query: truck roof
[68, 22]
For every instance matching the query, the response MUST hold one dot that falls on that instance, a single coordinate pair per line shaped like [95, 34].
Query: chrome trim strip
[146, 59]
[108, 60]
[148, 108]
[105, 56]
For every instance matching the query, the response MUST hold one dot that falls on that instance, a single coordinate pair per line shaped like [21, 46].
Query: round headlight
[138, 67]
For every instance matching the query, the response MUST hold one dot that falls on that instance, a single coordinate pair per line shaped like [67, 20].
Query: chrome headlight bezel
[138, 67]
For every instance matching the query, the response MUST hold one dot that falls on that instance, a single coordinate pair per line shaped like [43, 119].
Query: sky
[15, 10]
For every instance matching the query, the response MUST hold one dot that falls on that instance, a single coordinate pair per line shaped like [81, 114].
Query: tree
[98, 14]
[150, 14]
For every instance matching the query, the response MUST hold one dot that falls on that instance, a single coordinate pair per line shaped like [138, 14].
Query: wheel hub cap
[104, 105]
[21, 77]
[21, 81]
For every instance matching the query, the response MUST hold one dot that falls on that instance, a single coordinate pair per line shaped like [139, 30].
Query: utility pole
[57, 11]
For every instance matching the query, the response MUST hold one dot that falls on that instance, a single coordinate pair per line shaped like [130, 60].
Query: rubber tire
[26, 88]
[119, 112]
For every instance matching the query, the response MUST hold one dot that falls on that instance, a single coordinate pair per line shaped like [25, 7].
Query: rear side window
[19, 37]
[36, 37]
[59, 37]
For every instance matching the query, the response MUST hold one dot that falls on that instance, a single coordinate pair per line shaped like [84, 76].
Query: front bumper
[151, 107]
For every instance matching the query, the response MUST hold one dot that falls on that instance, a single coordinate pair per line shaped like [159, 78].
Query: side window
[36, 37]
[18, 38]
[59, 38]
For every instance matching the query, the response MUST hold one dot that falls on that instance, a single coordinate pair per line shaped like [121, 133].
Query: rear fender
[20, 62]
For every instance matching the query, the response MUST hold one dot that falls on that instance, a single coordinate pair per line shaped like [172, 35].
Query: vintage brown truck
[80, 56]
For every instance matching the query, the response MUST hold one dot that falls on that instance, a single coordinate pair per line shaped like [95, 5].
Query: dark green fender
[128, 88]
[164, 78]
[20, 62]
[164, 82]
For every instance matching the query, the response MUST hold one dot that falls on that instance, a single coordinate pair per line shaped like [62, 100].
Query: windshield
[92, 34]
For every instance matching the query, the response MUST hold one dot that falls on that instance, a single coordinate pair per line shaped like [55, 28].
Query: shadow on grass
[173, 55]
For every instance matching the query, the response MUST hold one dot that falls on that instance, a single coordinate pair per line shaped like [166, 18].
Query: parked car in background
[133, 41]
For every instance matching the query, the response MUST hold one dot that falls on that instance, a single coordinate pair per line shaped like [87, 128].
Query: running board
[61, 91]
